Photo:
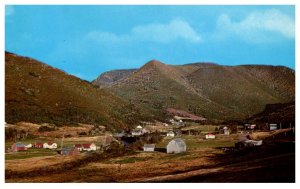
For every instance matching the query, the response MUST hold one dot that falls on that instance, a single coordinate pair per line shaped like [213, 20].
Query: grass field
[34, 152]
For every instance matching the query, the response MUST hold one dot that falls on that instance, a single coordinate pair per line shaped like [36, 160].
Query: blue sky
[87, 40]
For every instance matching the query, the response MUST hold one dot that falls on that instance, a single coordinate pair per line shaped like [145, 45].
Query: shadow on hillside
[270, 163]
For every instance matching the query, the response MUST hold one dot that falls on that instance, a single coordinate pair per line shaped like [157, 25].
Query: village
[92, 139]
[47, 144]
[183, 141]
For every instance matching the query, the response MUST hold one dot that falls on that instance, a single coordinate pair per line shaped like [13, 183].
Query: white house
[28, 146]
[210, 136]
[171, 134]
[50, 145]
[86, 147]
[136, 132]
[149, 147]
[273, 126]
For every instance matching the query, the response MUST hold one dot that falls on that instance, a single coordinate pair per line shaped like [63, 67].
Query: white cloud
[155, 32]
[9, 10]
[106, 37]
[164, 33]
[258, 26]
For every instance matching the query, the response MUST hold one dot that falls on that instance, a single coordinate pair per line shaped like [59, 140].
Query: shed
[176, 146]
[171, 134]
[273, 126]
[136, 133]
[149, 147]
[210, 136]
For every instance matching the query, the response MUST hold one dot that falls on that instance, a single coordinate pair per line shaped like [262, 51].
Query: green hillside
[205, 89]
[39, 93]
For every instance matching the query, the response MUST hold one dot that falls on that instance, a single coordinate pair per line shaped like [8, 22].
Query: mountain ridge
[207, 89]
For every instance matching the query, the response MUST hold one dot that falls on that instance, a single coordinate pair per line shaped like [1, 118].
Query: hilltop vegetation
[208, 90]
[36, 92]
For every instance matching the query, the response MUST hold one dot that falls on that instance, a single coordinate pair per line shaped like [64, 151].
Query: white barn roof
[176, 146]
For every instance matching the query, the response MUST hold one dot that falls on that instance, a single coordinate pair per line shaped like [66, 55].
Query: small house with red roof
[86, 147]
[38, 145]
[210, 136]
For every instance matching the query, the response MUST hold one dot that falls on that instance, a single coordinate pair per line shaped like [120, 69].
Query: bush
[45, 128]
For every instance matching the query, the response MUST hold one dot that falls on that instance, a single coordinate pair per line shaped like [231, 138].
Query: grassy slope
[36, 92]
[209, 90]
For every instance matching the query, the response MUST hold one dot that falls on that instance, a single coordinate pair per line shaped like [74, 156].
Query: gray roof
[149, 145]
[179, 142]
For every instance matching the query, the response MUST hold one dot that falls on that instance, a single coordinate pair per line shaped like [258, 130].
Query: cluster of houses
[75, 149]
[23, 147]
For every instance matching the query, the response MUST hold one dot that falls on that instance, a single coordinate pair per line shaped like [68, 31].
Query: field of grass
[30, 153]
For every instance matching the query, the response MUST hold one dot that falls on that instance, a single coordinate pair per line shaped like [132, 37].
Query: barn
[176, 146]
[149, 147]
[18, 147]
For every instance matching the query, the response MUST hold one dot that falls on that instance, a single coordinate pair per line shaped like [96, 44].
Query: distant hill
[36, 92]
[276, 113]
[205, 89]
[109, 78]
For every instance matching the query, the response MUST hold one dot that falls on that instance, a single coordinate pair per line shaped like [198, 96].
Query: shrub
[45, 128]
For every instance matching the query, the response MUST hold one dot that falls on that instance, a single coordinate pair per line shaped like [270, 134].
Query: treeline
[12, 134]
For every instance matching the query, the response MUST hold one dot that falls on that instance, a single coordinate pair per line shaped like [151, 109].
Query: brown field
[30, 164]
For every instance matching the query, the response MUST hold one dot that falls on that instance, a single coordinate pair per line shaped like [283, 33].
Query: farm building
[273, 127]
[210, 136]
[50, 145]
[69, 151]
[136, 133]
[18, 147]
[86, 147]
[139, 127]
[171, 134]
[28, 145]
[38, 145]
[176, 146]
[149, 147]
